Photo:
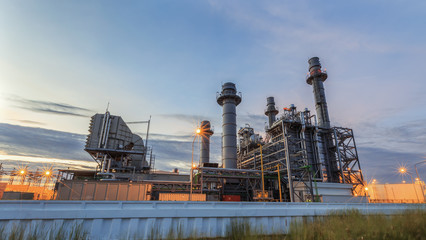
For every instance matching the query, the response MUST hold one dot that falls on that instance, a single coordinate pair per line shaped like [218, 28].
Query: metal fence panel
[144, 219]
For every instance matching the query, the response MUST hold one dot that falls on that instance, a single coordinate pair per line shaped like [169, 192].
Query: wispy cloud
[185, 117]
[39, 142]
[30, 122]
[49, 107]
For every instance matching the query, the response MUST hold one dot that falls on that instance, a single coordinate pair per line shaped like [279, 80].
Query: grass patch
[340, 225]
[354, 225]
[28, 232]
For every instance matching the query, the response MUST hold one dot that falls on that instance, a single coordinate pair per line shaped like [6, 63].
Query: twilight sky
[63, 61]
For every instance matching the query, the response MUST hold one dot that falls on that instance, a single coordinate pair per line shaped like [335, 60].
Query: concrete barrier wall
[143, 220]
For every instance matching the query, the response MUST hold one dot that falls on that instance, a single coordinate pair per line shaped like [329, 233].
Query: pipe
[279, 182]
[229, 99]
[287, 158]
[261, 166]
[205, 134]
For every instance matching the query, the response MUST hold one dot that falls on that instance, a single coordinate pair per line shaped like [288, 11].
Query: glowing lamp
[366, 188]
[198, 131]
[47, 173]
[22, 172]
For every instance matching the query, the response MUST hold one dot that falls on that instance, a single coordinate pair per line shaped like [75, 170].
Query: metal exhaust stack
[206, 132]
[271, 111]
[229, 99]
[316, 78]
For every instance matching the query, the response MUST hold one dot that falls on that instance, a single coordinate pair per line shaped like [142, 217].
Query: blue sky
[61, 62]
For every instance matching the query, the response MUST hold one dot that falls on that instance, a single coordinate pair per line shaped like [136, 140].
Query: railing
[150, 219]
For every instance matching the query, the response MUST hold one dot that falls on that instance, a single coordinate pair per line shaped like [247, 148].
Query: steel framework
[347, 155]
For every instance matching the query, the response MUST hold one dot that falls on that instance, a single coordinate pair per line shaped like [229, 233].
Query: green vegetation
[340, 225]
[354, 225]
[32, 232]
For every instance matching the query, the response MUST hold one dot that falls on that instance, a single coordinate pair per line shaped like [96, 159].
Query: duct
[206, 132]
[229, 99]
[271, 111]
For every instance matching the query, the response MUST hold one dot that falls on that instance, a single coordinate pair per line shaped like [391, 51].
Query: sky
[63, 61]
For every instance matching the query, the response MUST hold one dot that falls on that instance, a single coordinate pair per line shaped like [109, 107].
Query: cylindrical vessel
[205, 134]
[229, 99]
[271, 111]
[316, 79]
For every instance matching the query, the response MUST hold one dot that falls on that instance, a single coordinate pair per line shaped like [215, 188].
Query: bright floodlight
[402, 170]
[193, 165]
[366, 188]
[22, 171]
[47, 173]
[198, 130]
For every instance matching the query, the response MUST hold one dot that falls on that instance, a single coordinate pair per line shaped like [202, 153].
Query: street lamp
[197, 132]
[404, 171]
[415, 167]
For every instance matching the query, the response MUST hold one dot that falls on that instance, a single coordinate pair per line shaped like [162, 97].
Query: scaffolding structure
[347, 155]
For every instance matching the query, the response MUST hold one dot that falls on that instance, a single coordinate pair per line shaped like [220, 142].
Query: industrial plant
[301, 157]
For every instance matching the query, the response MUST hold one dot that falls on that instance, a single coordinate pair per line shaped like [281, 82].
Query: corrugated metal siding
[120, 191]
[181, 197]
[141, 220]
[397, 193]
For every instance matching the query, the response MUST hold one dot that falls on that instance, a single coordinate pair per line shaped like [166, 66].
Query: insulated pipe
[271, 111]
[229, 99]
[316, 78]
[205, 134]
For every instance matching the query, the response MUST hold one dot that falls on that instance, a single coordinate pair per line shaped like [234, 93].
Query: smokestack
[205, 134]
[229, 99]
[271, 111]
[316, 78]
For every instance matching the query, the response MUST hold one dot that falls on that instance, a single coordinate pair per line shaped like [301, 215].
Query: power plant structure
[301, 158]
[114, 147]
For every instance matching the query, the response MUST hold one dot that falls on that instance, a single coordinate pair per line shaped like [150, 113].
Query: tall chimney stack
[271, 111]
[316, 78]
[205, 134]
[229, 99]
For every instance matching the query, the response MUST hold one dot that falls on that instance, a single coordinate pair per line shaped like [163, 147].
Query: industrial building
[302, 158]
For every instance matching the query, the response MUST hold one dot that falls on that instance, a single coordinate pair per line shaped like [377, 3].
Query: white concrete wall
[127, 219]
